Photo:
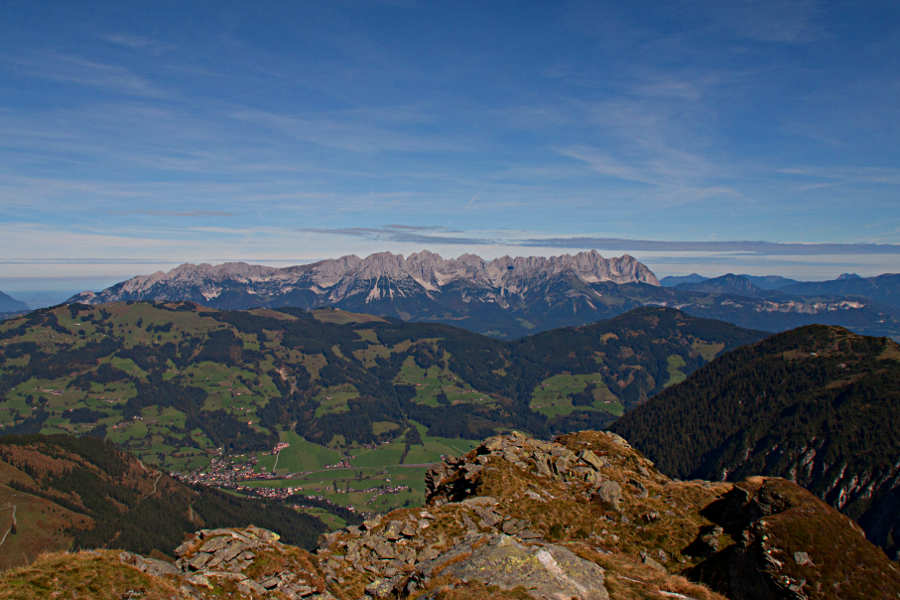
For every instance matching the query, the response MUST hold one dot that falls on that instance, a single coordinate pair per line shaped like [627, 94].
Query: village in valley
[244, 474]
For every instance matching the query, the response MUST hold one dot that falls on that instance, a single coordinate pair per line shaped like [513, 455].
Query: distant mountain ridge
[504, 298]
[765, 282]
[726, 284]
[884, 289]
[8, 304]
[334, 280]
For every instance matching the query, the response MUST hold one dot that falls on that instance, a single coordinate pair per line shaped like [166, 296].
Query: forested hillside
[67, 492]
[819, 405]
[173, 382]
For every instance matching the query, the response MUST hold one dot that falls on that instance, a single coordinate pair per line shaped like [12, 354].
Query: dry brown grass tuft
[95, 574]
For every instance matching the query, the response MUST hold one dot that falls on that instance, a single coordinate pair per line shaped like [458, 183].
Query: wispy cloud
[411, 234]
[346, 131]
[137, 42]
[176, 213]
[781, 21]
[604, 164]
[846, 174]
[68, 68]
[401, 234]
[741, 247]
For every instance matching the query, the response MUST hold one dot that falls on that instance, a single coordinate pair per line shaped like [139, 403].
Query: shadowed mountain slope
[9, 304]
[818, 405]
[59, 492]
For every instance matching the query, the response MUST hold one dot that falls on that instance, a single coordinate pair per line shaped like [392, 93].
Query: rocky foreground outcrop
[584, 517]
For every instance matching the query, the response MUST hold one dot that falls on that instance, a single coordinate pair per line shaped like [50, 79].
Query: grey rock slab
[251, 588]
[483, 501]
[393, 531]
[183, 548]
[214, 544]
[151, 566]
[199, 580]
[608, 495]
[592, 459]
[385, 550]
[231, 551]
[488, 519]
[380, 589]
[651, 562]
[199, 560]
[546, 571]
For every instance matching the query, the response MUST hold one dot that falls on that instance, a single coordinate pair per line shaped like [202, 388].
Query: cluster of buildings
[228, 472]
[225, 472]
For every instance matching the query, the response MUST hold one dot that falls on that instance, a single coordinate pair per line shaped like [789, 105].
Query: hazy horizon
[38, 291]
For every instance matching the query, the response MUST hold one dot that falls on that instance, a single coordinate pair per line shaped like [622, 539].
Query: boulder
[545, 571]
[608, 496]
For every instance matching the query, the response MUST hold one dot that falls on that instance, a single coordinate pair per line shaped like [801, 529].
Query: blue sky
[135, 138]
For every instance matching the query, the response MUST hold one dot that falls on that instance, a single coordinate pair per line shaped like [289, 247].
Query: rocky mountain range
[818, 405]
[584, 517]
[505, 297]
[376, 277]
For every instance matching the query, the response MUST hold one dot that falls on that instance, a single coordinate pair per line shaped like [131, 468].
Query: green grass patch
[553, 396]
[368, 335]
[301, 455]
[434, 447]
[708, 350]
[342, 317]
[380, 427]
[434, 380]
[675, 364]
[334, 399]
[382, 456]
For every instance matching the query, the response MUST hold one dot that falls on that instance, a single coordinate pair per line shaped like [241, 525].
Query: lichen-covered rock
[543, 571]
[250, 560]
[608, 496]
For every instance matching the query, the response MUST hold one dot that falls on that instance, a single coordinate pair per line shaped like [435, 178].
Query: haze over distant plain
[136, 137]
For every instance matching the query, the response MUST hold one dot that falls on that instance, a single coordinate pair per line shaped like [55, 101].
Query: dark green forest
[818, 404]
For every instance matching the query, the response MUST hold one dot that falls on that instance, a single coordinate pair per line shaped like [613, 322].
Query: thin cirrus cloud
[415, 234]
[741, 247]
[137, 42]
[74, 69]
[404, 234]
[346, 132]
[177, 213]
